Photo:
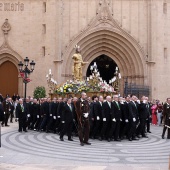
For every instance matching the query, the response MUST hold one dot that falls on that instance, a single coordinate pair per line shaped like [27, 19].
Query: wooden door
[8, 79]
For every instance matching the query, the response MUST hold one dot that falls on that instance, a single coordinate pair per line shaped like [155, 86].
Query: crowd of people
[110, 118]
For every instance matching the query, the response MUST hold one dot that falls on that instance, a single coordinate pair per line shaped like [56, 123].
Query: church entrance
[106, 67]
[8, 79]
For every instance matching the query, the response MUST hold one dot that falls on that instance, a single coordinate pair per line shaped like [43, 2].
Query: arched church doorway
[105, 65]
[8, 78]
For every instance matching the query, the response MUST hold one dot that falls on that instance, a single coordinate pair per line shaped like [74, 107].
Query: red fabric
[154, 114]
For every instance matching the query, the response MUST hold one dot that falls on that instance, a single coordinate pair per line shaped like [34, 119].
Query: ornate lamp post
[25, 72]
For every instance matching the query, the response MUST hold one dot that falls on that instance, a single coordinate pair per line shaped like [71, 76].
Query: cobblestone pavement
[37, 150]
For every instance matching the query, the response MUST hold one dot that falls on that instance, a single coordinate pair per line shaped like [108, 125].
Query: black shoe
[100, 138]
[122, 138]
[25, 131]
[11, 122]
[82, 144]
[108, 139]
[7, 125]
[135, 139]
[87, 143]
[163, 137]
[138, 136]
[130, 139]
[144, 136]
[149, 131]
[70, 139]
[61, 139]
[92, 137]
[118, 140]
[19, 130]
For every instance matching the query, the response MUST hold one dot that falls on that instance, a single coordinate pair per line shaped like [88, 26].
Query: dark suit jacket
[106, 111]
[1, 112]
[125, 111]
[81, 107]
[143, 111]
[36, 109]
[116, 111]
[133, 110]
[60, 108]
[6, 107]
[67, 114]
[53, 109]
[166, 112]
[19, 114]
[97, 108]
[45, 108]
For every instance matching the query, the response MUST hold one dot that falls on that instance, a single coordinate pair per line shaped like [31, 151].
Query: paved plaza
[39, 150]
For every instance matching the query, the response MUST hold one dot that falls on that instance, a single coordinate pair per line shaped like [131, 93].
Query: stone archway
[122, 49]
[9, 74]
[9, 78]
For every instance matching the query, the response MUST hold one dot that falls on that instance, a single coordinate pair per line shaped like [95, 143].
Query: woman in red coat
[154, 113]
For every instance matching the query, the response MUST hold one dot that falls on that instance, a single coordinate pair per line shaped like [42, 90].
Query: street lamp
[24, 72]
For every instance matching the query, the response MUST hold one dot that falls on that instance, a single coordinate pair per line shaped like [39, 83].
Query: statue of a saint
[78, 64]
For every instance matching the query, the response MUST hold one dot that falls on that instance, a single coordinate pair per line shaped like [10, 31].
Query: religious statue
[78, 64]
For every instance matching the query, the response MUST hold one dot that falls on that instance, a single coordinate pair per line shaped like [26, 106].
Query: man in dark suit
[67, 119]
[82, 111]
[1, 112]
[60, 108]
[53, 110]
[53, 116]
[91, 115]
[125, 117]
[166, 118]
[116, 118]
[106, 117]
[143, 114]
[21, 115]
[97, 110]
[11, 110]
[1, 98]
[148, 120]
[133, 116]
[45, 113]
[30, 114]
[6, 112]
[35, 113]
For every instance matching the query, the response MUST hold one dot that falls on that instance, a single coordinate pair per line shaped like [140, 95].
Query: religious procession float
[92, 85]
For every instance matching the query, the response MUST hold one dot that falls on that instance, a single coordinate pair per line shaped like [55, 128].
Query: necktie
[70, 107]
[109, 104]
[118, 105]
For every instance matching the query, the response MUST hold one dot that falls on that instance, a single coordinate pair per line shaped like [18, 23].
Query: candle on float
[47, 76]
[116, 68]
[49, 71]
[95, 64]
[87, 78]
[119, 76]
[91, 67]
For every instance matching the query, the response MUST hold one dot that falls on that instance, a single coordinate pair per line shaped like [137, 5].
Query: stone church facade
[134, 33]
